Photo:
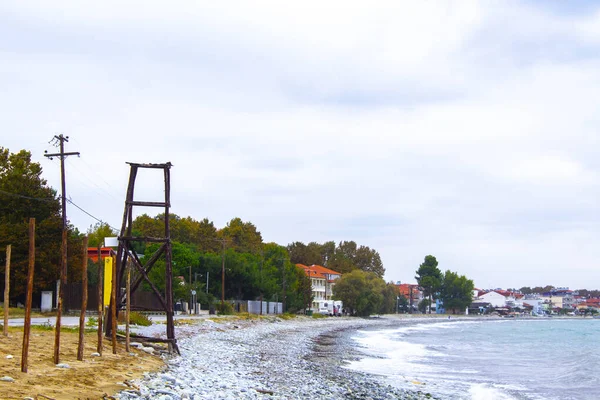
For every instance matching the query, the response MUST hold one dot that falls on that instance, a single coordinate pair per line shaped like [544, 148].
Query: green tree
[429, 277]
[403, 305]
[327, 251]
[242, 236]
[304, 254]
[25, 194]
[456, 291]
[424, 305]
[369, 260]
[304, 288]
[526, 290]
[205, 235]
[390, 299]
[98, 232]
[361, 292]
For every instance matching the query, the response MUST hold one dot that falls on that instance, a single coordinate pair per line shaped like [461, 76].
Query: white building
[502, 298]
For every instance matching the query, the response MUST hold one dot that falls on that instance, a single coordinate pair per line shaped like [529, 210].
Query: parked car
[323, 311]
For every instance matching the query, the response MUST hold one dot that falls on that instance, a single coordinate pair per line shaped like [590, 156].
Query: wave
[482, 391]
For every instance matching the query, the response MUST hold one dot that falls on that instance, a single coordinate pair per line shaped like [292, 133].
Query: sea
[481, 359]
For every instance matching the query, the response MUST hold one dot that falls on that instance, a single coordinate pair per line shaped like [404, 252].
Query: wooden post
[61, 293]
[84, 295]
[6, 289]
[27, 322]
[113, 309]
[100, 299]
[128, 307]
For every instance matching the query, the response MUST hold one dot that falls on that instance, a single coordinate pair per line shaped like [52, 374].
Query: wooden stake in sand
[100, 299]
[113, 309]
[84, 295]
[27, 323]
[6, 289]
[61, 294]
[127, 307]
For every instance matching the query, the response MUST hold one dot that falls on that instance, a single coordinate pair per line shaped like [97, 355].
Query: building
[502, 298]
[322, 281]
[411, 292]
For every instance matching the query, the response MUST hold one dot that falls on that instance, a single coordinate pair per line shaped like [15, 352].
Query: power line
[97, 219]
[53, 200]
[27, 197]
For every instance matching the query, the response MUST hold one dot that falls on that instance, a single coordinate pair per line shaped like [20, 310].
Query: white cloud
[466, 130]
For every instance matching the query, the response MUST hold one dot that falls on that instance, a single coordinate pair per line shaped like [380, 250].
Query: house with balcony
[322, 281]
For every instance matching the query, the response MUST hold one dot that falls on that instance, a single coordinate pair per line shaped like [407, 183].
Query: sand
[92, 378]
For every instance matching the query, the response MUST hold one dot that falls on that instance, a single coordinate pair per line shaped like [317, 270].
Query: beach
[232, 358]
[222, 357]
[92, 378]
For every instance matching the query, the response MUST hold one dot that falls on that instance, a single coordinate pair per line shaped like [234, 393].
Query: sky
[468, 130]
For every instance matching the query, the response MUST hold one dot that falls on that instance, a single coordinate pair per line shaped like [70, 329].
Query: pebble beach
[267, 358]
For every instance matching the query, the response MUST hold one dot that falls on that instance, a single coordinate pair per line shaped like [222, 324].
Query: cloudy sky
[468, 130]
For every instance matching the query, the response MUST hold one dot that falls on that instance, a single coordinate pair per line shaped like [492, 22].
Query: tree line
[253, 269]
[344, 257]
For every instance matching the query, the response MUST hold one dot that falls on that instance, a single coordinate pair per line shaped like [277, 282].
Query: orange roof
[104, 252]
[405, 289]
[318, 271]
[592, 302]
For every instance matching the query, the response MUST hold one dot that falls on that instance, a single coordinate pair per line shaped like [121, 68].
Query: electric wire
[87, 213]
[58, 198]
[27, 197]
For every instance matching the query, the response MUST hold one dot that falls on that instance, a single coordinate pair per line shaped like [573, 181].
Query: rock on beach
[261, 359]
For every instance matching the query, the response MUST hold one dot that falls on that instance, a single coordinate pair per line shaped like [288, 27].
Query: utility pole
[60, 140]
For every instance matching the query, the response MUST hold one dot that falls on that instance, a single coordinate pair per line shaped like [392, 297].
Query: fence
[140, 300]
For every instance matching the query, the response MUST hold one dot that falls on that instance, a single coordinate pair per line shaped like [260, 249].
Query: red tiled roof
[104, 252]
[405, 288]
[318, 271]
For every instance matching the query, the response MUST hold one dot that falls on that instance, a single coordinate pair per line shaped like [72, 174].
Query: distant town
[512, 302]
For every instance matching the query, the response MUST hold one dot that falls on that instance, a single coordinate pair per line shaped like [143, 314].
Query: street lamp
[397, 303]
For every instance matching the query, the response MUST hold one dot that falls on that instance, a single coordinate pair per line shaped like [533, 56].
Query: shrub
[224, 308]
[135, 318]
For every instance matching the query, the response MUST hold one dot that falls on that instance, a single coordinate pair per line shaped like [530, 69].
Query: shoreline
[275, 358]
[270, 358]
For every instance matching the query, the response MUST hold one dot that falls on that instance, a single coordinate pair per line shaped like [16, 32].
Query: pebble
[95, 354]
[62, 365]
[250, 360]
[9, 357]
[7, 378]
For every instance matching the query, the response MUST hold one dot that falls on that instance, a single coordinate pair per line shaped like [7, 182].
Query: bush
[135, 318]
[224, 308]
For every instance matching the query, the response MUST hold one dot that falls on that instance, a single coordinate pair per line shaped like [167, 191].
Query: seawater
[554, 359]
